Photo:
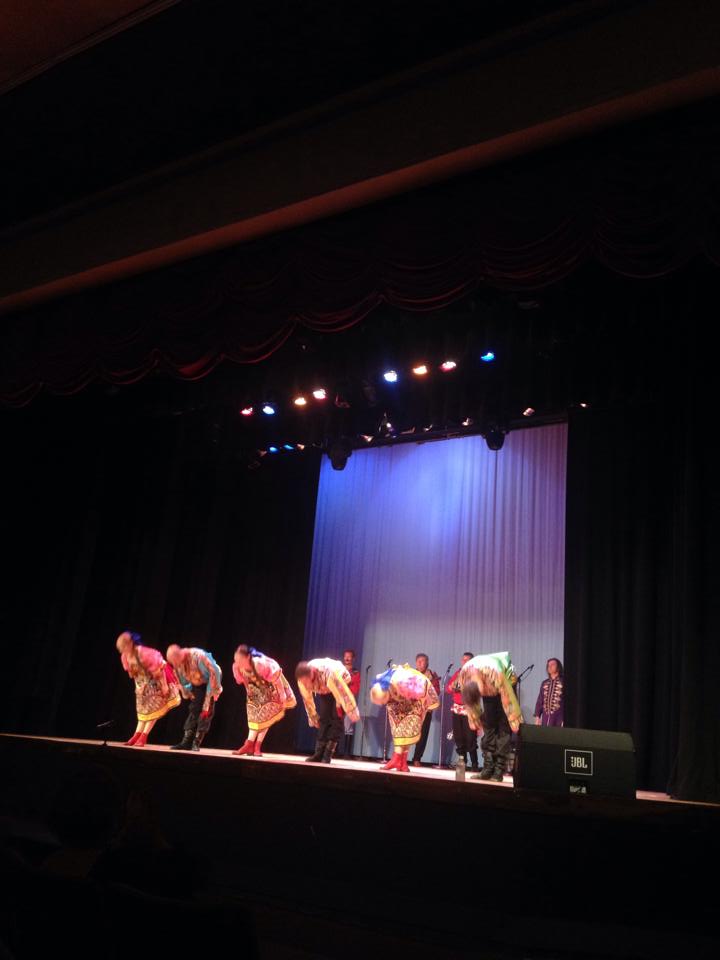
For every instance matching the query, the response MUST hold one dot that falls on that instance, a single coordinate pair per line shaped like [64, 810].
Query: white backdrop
[440, 548]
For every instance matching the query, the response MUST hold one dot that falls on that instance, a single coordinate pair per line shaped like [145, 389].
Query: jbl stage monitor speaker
[567, 760]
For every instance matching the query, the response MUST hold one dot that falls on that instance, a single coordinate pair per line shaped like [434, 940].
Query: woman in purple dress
[550, 709]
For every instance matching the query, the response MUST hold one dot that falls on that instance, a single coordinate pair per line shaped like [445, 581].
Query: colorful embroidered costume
[330, 677]
[156, 686]
[549, 707]
[497, 713]
[324, 685]
[269, 694]
[412, 696]
[201, 683]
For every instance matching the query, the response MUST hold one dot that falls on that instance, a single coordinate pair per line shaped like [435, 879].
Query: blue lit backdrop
[440, 548]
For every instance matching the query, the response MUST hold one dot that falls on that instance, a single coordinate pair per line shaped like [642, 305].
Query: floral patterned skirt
[406, 720]
[150, 701]
[267, 702]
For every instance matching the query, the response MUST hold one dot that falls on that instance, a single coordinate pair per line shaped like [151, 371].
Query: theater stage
[586, 876]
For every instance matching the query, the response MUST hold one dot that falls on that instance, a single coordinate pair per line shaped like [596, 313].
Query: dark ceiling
[203, 71]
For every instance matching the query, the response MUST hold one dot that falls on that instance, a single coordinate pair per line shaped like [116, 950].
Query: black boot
[185, 744]
[474, 760]
[488, 767]
[498, 769]
[196, 744]
[319, 752]
[348, 746]
[330, 748]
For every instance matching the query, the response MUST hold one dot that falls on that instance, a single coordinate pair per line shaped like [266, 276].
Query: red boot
[258, 748]
[247, 748]
[393, 764]
[133, 740]
[403, 765]
[141, 740]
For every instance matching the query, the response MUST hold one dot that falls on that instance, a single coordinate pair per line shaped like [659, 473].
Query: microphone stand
[365, 701]
[104, 726]
[439, 765]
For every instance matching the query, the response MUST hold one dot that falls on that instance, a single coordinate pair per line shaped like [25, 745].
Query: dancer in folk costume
[327, 683]
[156, 687]
[201, 683]
[410, 696]
[487, 691]
[269, 695]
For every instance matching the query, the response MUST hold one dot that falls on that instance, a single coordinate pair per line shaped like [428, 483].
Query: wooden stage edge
[364, 775]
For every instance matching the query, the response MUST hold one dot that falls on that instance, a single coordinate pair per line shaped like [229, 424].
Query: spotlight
[488, 356]
[268, 409]
[247, 411]
[366, 437]
[420, 370]
[390, 376]
[273, 449]
[494, 438]
[447, 365]
[467, 422]
[339, 453]
[528, 411]
[301, 446]
[319, 394]
[585, 406]
[300, 402]
[288, 446]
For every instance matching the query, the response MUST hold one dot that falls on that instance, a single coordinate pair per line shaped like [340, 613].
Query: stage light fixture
[366, 437]
[421, 370]
[494, 438]
[585, 406]
[247, 411]
[488, 356]
[268, 409]
[467, 422]
[288, 446]
[273, 449]
[300, 401]
[301, 446]
[339, 453]
[390, 376]
[528, 411]
[319, 394]
[447, 365]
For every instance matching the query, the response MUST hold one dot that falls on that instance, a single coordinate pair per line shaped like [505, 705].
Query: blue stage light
[390, 376]
[288, 446]
[488, 357]
[273, 449]
[268, 409]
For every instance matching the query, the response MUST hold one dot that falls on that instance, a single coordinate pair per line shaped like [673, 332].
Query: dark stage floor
[345, 860]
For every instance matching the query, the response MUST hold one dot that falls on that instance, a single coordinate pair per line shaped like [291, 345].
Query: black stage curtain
[642, 594]
[641, 201]
[114, 522]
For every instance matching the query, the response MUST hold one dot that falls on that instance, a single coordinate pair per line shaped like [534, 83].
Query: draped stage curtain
[441, 548]
[641, 201]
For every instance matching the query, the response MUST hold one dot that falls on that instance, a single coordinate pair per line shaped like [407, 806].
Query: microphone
[389, 663]
[367, 667]
[107, 723]
[450, 666]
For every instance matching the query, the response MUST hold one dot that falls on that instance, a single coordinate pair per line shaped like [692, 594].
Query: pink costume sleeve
[125, 662]
[237, 673]
[267, 668]
[152, 660]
